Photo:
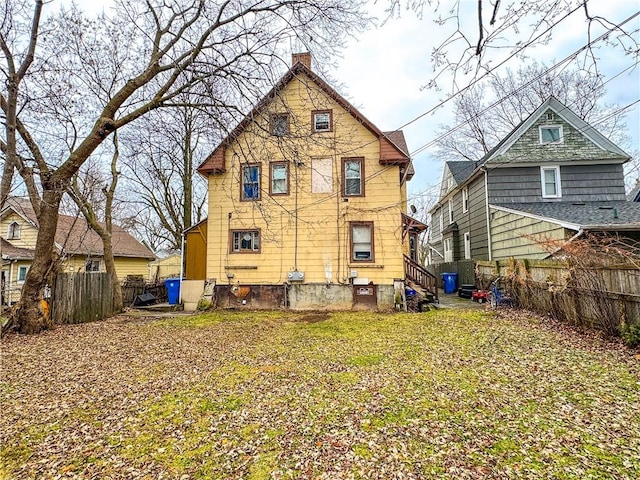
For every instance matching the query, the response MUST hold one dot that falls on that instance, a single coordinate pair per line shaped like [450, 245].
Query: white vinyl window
[465, 200]
[467, 245]
[551, 134]
[550, 179]
[450, 210]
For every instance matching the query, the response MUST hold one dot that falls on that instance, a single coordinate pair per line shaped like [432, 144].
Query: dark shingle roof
[75, 236]
[600, 215]
[461, 170]
[15, 253]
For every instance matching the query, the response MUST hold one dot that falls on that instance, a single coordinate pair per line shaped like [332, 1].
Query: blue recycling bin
[450, 282]
[173, 290]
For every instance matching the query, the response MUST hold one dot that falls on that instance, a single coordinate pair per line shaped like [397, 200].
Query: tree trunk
[110, 267]
[29, 317]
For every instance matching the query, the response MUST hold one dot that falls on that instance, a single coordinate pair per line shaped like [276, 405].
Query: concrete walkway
[452, 300]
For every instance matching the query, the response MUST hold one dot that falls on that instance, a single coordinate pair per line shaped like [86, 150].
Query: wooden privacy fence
[464, 268]
[81, 297]
[603, 297]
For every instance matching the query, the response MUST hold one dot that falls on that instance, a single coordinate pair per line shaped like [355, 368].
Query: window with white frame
[467, 245]
[551, 134]
[448, 249]
[550, 179]
[465, 200]
[22, 273]
[450, 210]
[245, 241]
[13, 231]
[441, 219]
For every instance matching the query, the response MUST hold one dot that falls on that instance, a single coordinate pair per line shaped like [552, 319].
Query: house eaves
[570, 226]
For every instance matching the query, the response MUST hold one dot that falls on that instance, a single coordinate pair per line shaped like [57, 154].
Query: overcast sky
[384, 69]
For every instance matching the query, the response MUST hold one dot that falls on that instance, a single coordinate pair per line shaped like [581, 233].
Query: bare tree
[161, 157]
[474, 31]
[94, 76]
[84, 195]
[485, 115]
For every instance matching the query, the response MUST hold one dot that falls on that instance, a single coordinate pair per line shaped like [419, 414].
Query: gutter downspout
[486, 200]
[181, 267]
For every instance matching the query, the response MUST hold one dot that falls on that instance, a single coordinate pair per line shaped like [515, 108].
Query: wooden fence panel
[82, 297]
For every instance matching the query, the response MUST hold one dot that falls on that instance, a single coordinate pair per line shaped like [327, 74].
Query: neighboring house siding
[593, 182]
[478, 220]
[575, 147]
[28, 234]
[130, 266]
[323, 235]
[578, 182]
[528, 242]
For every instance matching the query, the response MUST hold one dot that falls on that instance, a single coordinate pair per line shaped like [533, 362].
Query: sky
[383, 71]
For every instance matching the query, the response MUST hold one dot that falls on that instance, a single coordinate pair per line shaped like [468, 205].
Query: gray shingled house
[552, 178]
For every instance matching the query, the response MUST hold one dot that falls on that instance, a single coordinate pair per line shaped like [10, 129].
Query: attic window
[13, 232]
[280, 124]
[551, 134]
[549, 116]
[321, 120]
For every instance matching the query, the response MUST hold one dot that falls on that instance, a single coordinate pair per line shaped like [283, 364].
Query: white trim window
[550, 181]
[551, 134]
[92, 265]
[465, 200]
[467, 246]
[448, 249]
[450, 211]
[22, 273]
[441, 219]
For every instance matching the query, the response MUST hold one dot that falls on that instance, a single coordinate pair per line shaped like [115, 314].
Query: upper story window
[22, 273]
[250, 188]
[450, 210]
[550, 178]
[551, 134]
[13, 231]
[465, 200]
[353, 177]
[245, 241]
[322, 120]
[280, 124]
[92, 266]
[279, 178]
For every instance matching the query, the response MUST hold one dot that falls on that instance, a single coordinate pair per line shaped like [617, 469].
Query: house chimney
[303, 58]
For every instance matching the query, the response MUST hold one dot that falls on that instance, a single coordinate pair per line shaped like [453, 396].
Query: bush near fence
[607, 298]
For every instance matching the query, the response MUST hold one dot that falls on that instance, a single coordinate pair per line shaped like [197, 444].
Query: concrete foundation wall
[320, 296]
[308, 296]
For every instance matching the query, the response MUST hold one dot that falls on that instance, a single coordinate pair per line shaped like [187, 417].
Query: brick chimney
[304, 58]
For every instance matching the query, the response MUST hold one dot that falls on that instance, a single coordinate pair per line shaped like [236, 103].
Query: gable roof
[613, 216]
[393, 149]
[74, 236]
[568, 116]
[461, 170]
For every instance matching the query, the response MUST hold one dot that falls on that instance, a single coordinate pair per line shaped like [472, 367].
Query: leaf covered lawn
[257, 395]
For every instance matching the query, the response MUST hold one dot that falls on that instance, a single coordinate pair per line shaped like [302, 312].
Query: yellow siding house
[307, 204]
[79, 248]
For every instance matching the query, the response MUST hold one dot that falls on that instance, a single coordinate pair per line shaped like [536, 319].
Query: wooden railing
[417, 274]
